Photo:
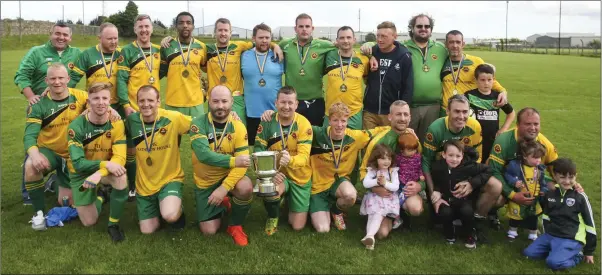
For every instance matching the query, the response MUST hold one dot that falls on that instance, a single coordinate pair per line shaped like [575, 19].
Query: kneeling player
[97, 150]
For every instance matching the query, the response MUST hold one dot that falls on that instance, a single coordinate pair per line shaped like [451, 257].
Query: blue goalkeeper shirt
[260, 95]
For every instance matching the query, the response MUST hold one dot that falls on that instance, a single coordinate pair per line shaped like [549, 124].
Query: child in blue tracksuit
[568, 222]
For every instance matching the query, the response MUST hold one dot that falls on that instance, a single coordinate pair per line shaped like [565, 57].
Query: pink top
[410, 168]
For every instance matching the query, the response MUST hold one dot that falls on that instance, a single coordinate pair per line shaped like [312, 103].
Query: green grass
[564, 88]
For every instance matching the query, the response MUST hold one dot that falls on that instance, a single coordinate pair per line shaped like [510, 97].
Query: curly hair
[412, 23]
[338, 109]
[379, 151]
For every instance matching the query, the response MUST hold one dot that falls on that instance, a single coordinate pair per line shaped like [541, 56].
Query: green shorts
[82, 198]
[58, 164]
[354, 122]
[297, 195]
[239, 108]
[120, 110]
[205, 211]
[323, 201]
[148, 206]
[193, 111]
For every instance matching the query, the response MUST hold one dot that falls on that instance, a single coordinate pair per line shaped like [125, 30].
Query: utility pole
[103, 8]
[203, 19]
[20, 19]
[63, 13]
[506, 26]
[83, 14]
[559, 23]
[359, 24]
[188, 6]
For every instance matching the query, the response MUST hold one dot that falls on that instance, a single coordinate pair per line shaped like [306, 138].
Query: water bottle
[66, 201]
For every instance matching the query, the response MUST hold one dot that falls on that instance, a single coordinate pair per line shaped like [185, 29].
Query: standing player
[97, 150]
[346, 70]
[153, 135]
[99, 64]
[181, 62]
[218, 132]
[262, 76]
[304, 68]
[140, 67]
[291, 134]
[334, 153]
[45, 139]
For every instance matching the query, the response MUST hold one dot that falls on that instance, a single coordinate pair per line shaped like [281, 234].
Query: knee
[445, 213]
[120, 182]
[493, 187]
[322, 227]
[208, 231]
[297, 225]
[88, 221]
[244, 189]
[382, 234]
[349, 195]
[171, 216]
[556, 264]
[147, 229]
[30, 172]
[415, 209]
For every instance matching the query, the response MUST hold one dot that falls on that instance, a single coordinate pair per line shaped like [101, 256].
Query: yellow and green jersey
[230, 64]
[466, 79]
[297, 139]
[90, 63]
[323, 157]
[165, 153]
[48, 120]
[353, 93]
[438, 133]
[134, 72]
[214, 146]
[184, 87]
[92, 145]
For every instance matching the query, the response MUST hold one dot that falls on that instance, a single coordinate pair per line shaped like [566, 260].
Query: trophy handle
[254, 159]
[278, 166]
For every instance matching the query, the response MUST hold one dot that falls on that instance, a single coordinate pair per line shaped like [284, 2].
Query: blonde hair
[56, 66]
[387, 25]
[338, 109]
[97, 87]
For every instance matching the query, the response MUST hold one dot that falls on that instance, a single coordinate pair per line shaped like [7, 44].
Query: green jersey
[438, 133]
[33, 67]
[98, 67]
[304, 66]
[427, 66]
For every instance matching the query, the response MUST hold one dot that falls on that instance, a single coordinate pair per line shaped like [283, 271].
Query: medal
[343, 87]
[187, 59]
[425, 68]
[185, 73]
[303, 56]
[282, 139]
[222, 66]
[261, 66]
[149, 67]
[109, 72]
[216, 144]
[456, 76]
[148, 145]
[302, 72]
[334, 159]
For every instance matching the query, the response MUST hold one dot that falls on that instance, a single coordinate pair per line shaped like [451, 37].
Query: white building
[208, 31]
[531, 38]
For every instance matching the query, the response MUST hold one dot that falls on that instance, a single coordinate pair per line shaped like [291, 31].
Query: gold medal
[456, 76]
[149, 144]
[185, 73]
[223, 79]
[455, 92]
[302, 72]
[149, 161]
[222, 65]
[261, 82]
[425, 68]
[151, 80]
[343, 88]
[261, 66]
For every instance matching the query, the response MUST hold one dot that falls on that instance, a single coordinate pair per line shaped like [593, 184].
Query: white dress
[373, 203]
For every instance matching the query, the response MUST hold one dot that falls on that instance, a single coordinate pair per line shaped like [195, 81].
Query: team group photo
[132, 146]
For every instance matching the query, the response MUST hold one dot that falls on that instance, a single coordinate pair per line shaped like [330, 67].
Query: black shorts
[252, 125]
[313, 110]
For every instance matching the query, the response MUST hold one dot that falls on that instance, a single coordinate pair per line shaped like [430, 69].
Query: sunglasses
[423, 26]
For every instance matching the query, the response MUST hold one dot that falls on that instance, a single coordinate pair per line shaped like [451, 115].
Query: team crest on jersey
[570, 202]
[194, 129]
[355, 65]
[246, 136]
[229, 137]
[515, 211]
[294, 135]
[259, 129]
[434, 57]
[71, 133]
[429, 137]
[120, 59]
[314, 55]
[72, 106]
[70, 65]
[163, 131]
[156, 55]
[232, 53]
[397, 66]
[466, 140]
[497, 148]
[196, 52]
[465, 69]
[346, 148]
[309, 131]
[108, 134]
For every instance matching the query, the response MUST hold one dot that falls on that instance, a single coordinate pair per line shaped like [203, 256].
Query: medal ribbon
[217, 144]
[102, 57]
[282, 139]
[219, 59]
[348, 65]
[262, 66]
[337, 163]
[425, 54]
[456, 77]
[146, 143]
[302, 56]
[149, 67]
[187, 59]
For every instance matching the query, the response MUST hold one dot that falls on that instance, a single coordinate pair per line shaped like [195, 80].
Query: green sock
[240, 209]
[272, 206]
[98, 203]
[117, 203]
[36, 193]
[130, 167]
[335, 209]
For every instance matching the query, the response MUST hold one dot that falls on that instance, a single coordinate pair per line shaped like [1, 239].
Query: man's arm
[303, 147]
[24, 73]
[123, 76]
[78, 70]
[497, 161]
[164, 65]
[483, 173]
[33, 126]
[590, 227]
[77, 154]
[429, 151]
[241, 146]
[204, 153]
[407, 78]
[119, 147]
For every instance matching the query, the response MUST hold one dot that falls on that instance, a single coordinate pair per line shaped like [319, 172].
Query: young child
[483, 105]
[526, 174]
[457, 165]
[380, 174]
[568, 223]
[409, 162]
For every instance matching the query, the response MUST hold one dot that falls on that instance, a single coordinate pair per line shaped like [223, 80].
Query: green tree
[69, 21]
[124, 20]
[98, 20]
[79, 22]
[159, 23]
[370, 37]
[595, 44]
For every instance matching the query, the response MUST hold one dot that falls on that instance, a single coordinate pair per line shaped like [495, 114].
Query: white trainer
[38, 222]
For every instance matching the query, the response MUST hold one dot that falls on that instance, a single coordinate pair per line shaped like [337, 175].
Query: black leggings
[457, 209]
[529, 222]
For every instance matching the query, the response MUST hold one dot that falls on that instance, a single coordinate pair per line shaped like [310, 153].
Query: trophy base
[272, 194]
[265, 188]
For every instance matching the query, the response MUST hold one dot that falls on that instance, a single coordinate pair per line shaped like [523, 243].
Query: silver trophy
[265, 169]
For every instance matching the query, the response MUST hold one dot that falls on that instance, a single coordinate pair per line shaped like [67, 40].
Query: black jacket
[445, 179]
[562, 214]
[398, 80]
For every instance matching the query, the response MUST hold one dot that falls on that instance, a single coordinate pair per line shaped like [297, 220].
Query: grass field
[565, 89]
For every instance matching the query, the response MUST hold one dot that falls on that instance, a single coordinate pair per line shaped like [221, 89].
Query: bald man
[220, 161]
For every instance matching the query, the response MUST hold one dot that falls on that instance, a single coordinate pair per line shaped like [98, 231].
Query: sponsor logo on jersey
[497, 148]
[429, 137]
[570, 202]
[466, 140]
[71, 133]
[314, 55]
[49, 59]
[397, 66]
[108, 134]
[434, 57]
[72, 106]
[551, 200]
[156, 55]
[309, 131]
[163, 131]
[259, 129]
[294, 135]
[70, 65]
[194, 129]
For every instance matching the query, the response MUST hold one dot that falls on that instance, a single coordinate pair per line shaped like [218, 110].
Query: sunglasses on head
[423, 26]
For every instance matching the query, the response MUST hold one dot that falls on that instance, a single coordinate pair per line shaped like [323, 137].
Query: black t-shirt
[483, 110]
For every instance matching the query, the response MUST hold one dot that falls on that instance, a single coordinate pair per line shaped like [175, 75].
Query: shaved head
[220, 103]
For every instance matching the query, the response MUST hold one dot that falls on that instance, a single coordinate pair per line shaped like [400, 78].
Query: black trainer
[180, 223]
[116, 233]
